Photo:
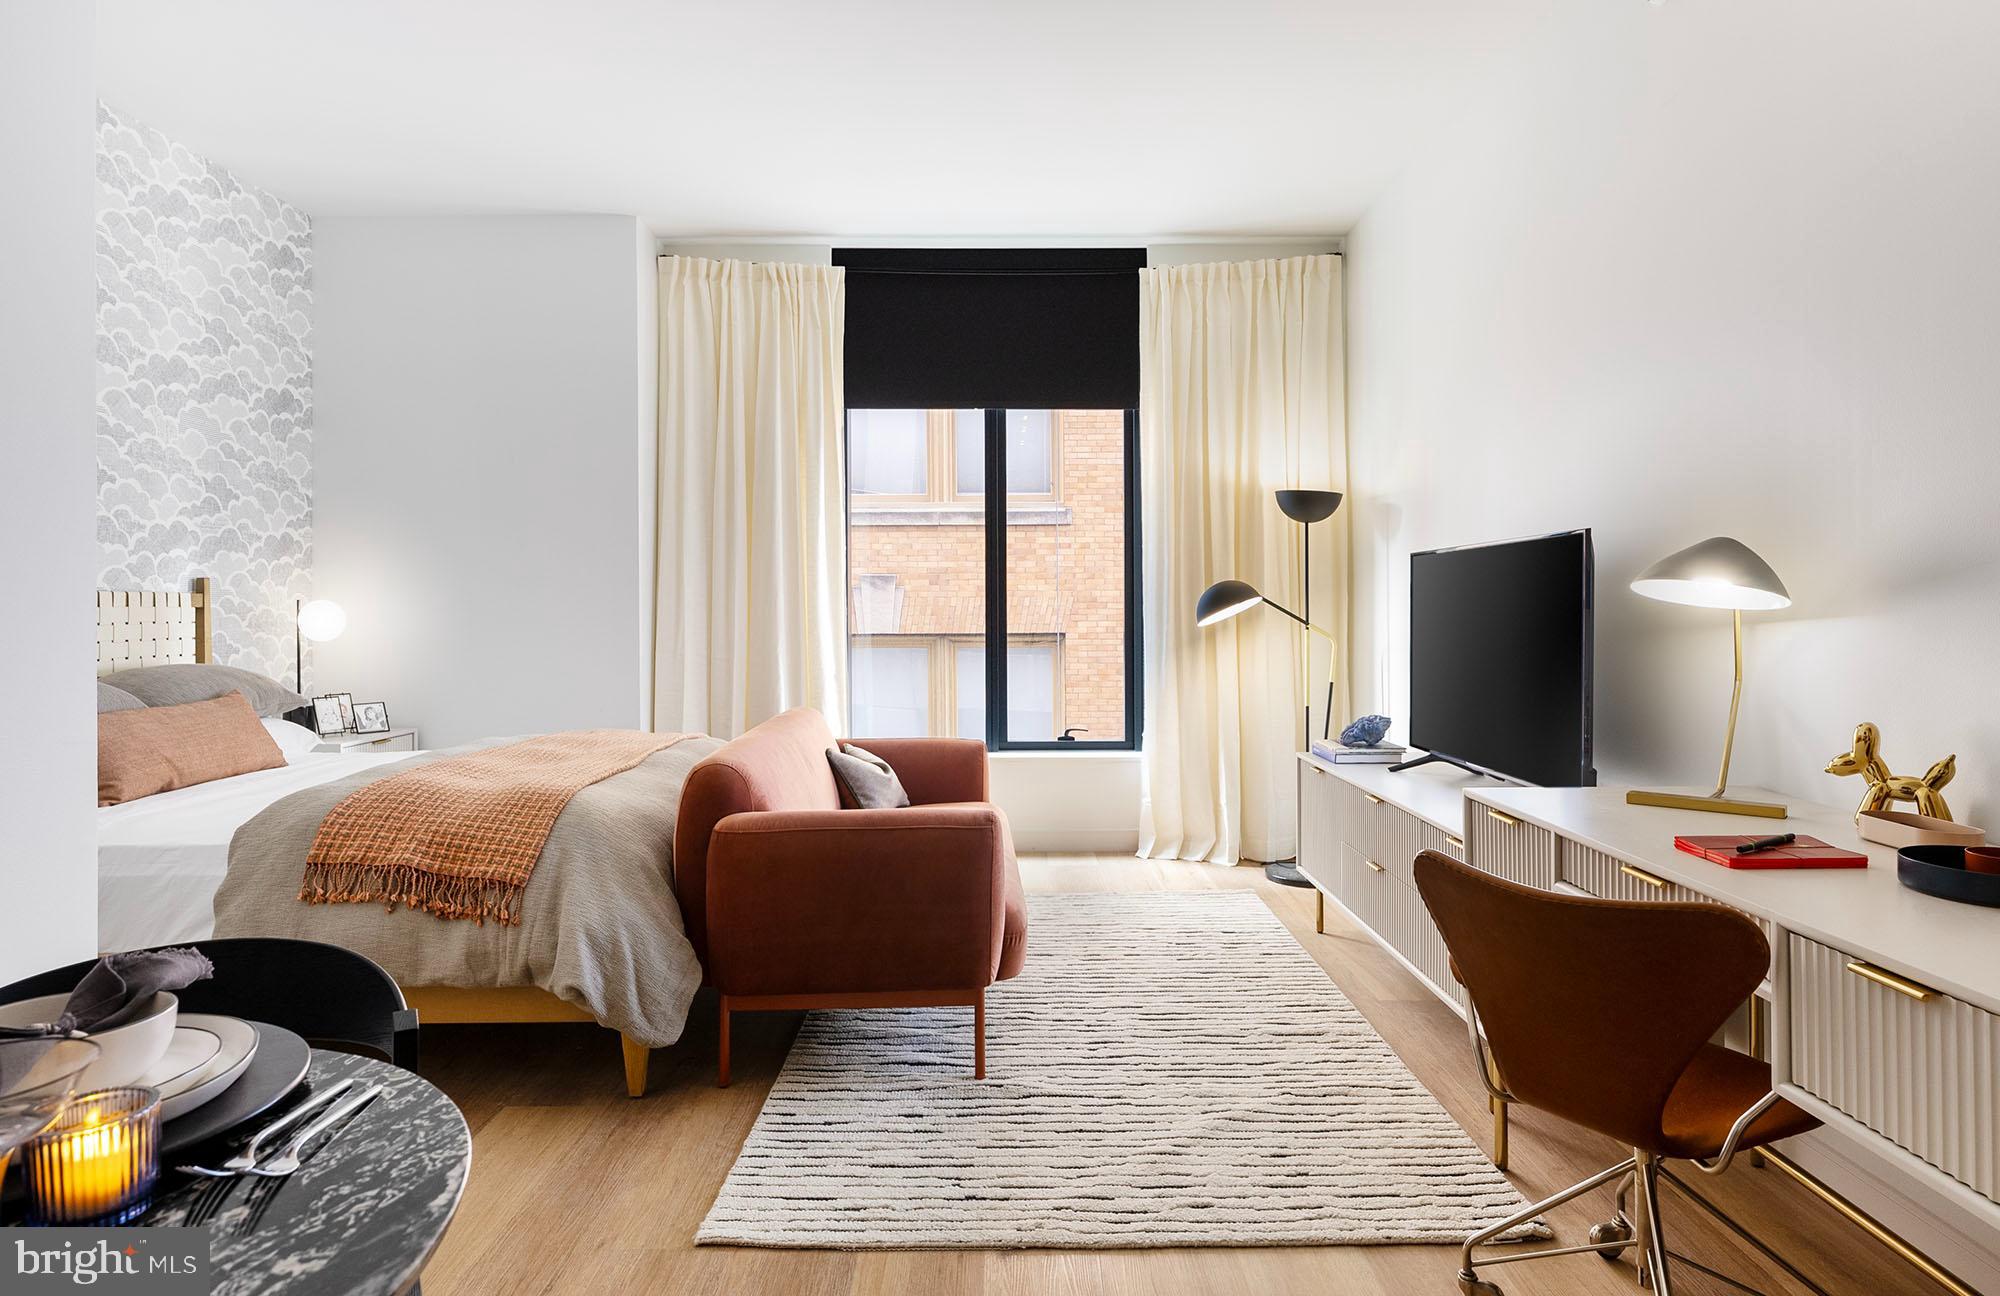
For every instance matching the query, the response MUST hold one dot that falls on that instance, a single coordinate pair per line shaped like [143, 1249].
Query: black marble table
[361, 1216]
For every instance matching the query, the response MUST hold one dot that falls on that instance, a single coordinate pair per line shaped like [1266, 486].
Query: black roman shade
[992, 328]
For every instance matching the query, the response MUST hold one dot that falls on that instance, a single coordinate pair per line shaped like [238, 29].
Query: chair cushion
[1718, 1087]
[866, 781]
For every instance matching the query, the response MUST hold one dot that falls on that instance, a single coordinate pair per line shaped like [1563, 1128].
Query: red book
[1805, 853]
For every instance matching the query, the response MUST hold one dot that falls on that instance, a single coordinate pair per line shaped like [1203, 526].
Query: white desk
[1908, 1087]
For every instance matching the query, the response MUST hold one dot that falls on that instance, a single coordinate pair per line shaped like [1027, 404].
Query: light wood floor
[576, 1188]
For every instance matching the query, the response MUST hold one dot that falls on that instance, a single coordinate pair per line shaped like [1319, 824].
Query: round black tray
[1941, 871]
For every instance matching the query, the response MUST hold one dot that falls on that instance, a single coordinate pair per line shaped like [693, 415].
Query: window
[929, 554]
[939, 456]
[913, 686]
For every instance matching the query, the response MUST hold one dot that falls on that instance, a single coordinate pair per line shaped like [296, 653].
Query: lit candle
[98, 1162]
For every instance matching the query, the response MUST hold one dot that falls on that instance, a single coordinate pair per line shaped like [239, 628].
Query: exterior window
[888, 453]
[928, 551]
[910, 686]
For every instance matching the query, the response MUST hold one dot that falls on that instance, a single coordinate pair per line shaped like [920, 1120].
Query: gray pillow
[866, 779]
[114, 699]
[174, 685]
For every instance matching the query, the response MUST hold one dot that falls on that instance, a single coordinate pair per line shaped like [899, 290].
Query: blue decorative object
[1366, 732]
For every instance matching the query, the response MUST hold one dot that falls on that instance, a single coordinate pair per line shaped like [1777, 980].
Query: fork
[288, 1161]
[248, 1157]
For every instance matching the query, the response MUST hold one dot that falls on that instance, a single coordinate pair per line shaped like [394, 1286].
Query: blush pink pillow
[145, 750]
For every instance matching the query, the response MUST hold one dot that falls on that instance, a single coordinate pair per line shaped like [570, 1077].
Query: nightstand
[396, 740]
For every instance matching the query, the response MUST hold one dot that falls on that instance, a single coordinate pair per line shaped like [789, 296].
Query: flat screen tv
[1500, 658]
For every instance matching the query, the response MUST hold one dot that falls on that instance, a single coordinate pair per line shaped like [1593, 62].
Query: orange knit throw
[460, 836]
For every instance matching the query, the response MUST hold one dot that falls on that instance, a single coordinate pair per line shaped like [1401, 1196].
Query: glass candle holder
[97, 1164]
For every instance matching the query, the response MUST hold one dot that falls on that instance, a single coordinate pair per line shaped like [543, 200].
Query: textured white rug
[1170, 1070]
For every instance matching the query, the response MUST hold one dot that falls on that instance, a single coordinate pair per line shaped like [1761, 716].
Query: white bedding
[161, 858]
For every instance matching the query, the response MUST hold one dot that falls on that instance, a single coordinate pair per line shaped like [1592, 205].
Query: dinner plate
[275, 1070]
[237, 1045]
[189, 1051]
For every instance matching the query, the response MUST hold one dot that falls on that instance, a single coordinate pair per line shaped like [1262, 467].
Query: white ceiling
[850, 118]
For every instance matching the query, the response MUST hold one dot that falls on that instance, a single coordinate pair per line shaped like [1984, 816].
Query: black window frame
[995, 497]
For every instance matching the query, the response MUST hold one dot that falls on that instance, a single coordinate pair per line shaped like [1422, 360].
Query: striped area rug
[1170, 1070]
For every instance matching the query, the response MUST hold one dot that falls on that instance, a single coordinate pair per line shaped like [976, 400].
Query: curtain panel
[1241, 394]
[751, 562]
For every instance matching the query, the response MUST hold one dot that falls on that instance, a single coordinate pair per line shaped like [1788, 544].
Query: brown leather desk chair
[1601, 1012]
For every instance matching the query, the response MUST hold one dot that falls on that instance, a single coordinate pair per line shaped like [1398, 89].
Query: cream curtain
[751, 565]
[1241, 394]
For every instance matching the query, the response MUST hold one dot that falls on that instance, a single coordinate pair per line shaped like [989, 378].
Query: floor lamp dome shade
[1225, 599]
[1308, 506]
[1717, 573]
[321, 620]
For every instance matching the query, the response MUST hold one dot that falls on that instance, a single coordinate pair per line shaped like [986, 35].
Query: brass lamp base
[1716, 804]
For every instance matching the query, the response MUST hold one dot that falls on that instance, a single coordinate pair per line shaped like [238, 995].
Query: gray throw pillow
[114, 699]
[176, 685]
[865, 779]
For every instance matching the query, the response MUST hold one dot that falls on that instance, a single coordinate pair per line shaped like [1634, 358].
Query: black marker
[1766, 843]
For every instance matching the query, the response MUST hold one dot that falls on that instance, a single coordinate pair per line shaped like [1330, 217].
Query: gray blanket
[600, 927]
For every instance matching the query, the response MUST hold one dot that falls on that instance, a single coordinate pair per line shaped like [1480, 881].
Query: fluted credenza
[1881, 1014]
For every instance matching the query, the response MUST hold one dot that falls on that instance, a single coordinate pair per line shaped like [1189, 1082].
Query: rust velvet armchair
[793, 902]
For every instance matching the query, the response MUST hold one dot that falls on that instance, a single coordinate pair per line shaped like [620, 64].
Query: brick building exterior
[917, 575]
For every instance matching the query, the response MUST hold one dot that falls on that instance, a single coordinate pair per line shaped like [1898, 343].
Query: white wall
[1711, 268]
[48, 869]
[482, 407]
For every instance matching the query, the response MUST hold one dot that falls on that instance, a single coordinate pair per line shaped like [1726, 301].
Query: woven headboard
[153, 628]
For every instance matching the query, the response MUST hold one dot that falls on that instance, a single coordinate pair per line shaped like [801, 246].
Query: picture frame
[371, 717]
[326, 715]
[346, 710]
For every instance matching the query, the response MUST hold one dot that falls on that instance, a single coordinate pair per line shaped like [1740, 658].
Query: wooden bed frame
[171, 628]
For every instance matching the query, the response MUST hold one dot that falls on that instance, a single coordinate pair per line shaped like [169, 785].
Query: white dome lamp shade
[319, 621]
[1720, 572]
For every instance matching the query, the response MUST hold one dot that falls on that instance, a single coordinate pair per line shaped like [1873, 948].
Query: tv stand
[1429, 757]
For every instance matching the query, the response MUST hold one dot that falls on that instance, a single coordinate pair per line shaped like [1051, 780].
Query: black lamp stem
[1306, 548]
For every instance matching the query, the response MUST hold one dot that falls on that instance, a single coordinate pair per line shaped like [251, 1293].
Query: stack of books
[1341, 754]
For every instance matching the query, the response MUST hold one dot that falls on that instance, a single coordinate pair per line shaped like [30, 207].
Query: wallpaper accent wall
[204, 379]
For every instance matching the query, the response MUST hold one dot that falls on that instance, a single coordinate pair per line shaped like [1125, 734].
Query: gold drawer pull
[1377, 867]
[1889, 980]
[1642, 875]
[1372, 798]
[1456, 843]
[1504, 818]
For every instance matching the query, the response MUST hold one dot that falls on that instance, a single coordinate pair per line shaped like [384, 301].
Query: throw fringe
[476, 898]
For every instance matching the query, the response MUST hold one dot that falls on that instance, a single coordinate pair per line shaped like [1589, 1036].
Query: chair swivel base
[1286, 873]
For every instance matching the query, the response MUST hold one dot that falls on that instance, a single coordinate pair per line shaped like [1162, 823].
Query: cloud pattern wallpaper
[204, 375]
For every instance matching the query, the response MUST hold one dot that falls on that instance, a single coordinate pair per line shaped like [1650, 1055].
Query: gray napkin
[121, 985]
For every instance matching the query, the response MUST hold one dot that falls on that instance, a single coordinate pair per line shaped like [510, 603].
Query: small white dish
[192, 1049]
[124, 1053]
[238, 1046]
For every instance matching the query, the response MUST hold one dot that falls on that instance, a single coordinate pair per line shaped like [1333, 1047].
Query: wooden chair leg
[637, 1058]
[722, 1046]
[979, 1036]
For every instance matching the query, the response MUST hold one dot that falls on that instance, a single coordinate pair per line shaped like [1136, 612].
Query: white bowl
[125, 1052]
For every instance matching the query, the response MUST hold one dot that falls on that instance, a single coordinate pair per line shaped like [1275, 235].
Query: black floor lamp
[1227, 598]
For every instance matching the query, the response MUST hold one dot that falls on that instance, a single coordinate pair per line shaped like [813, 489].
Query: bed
[604, 940]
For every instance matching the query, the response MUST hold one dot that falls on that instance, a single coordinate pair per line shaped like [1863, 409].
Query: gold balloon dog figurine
[1884, 787]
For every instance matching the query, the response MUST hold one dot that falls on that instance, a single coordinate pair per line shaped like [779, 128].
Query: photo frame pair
[338, 713]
